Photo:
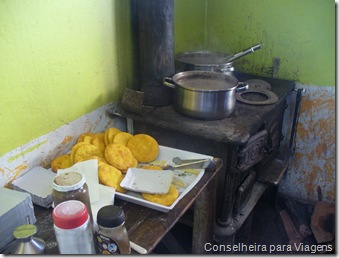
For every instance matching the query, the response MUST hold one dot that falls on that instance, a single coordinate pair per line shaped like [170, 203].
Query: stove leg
[223, 242]
[237, 220]
[204, 215]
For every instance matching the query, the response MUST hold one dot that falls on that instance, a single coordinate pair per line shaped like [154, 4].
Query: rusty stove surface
[248, 143]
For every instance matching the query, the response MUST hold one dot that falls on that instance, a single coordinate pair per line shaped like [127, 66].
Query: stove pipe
[156, 49]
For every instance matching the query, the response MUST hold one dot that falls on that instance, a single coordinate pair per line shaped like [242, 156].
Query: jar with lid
[73, 228]
[71, 186]
[112, 237]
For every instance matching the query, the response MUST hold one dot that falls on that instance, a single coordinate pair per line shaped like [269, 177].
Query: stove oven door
[252, 152]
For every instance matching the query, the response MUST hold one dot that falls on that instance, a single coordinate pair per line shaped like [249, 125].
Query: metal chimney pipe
[156, 49]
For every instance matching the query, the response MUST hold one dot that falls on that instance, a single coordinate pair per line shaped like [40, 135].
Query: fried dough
[122, 137]
[109, 135]
[61, 162]
[99, 140]
[143, 147]
[83, 135]
[163, 199]
[85, 151]
[119, 156]
[110, 176]
[74, 149]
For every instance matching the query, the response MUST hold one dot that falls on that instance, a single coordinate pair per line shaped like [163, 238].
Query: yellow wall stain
[331, 194]
[108, 125]
[320, 149]
[313, 164]
[45, 164]
[310, 178]
[88, 124]
[329, 104]
[26, 151]
[298, 156]
[310, 156]
[329, 168]
[67, 139]
[302, 131]
[16, 172]
[323, 126]
[306, 105]
[20, 168]
[8, 185]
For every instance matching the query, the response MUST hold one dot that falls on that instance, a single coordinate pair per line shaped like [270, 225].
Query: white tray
[184, 179]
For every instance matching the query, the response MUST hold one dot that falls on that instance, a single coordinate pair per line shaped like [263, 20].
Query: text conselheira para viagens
[295, 247]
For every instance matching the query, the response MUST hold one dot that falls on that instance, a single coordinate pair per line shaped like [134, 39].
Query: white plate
[184, 179]
[147, 181]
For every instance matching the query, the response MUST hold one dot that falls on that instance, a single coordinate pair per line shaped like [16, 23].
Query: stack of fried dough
[116, 152]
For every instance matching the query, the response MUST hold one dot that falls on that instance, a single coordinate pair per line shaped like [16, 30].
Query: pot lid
[208, 58]
[205, 58]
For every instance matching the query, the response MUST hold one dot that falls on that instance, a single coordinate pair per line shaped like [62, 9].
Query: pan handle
[244, 52]
[242, 86]
[168, 81]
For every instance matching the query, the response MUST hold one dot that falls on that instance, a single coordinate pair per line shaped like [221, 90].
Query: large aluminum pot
[204, 95]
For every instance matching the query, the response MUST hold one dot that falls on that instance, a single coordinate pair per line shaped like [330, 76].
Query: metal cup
[26, 242]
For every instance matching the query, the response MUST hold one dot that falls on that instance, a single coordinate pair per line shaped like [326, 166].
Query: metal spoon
[179, 161]
[193, 164]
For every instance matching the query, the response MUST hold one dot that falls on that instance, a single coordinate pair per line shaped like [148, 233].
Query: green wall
[300, 32]
[189, 24]
[60, 59]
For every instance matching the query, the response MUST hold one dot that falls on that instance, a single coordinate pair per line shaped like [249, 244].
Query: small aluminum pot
[204, 61]
[204, 95]
[210, 61]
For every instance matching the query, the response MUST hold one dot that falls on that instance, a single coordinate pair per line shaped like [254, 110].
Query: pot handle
[242, 86]
[168, 81]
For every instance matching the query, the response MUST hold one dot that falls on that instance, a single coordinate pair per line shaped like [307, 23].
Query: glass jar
[71, 186]
[112, 237]
[73, 228]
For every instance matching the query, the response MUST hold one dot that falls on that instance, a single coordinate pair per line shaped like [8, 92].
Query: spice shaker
[28, 244]
[73, 228]
[112, 237]
[71, 186]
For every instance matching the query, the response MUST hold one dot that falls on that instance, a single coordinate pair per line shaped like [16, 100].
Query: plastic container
[71, 186]
[112, 237]
[73, 228]
[27, 243]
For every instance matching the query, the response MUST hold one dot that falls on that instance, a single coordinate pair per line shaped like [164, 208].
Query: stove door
[252, 152]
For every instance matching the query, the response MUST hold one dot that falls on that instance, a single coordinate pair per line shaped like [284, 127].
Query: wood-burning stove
[248, 142]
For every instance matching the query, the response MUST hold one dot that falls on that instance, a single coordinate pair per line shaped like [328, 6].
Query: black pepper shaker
[112, 237]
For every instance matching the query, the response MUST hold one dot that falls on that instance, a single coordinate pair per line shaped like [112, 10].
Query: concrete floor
[264, 224]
